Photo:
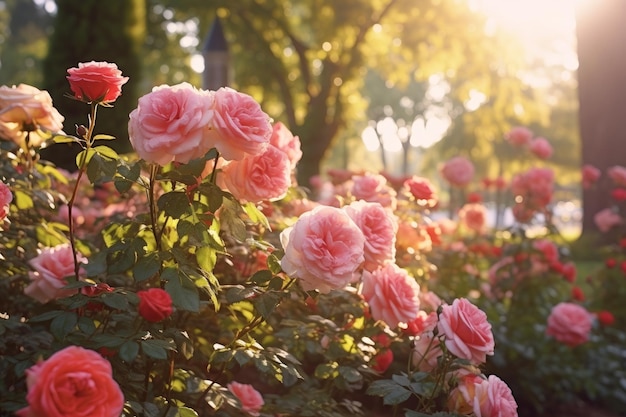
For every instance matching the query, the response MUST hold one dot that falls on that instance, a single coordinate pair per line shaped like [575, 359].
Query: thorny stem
[81, 170]
[154, 169]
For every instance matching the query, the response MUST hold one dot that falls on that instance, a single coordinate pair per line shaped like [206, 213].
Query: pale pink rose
[50, 270]
[239, 125]
[74, 382]
[569, 323]
[618, 174]
[379, 226]
[5, 199]
[324, 248]
[607, 219]
[468, 333]
[422, 190]
[590, 175]
[519, 136]
[96, 81]
[392, 294]
[426, 347]
[299, 206]
[541, 148]
[373, 188]
[266, 176]
[458, 171]
[24, 109]
[284, 140]
[473, 216]
[489, 397]
[250, 399]
[172, 123]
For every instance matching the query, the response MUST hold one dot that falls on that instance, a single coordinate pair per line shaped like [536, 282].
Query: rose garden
[195, 277]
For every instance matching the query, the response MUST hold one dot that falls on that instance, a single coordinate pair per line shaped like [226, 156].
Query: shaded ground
[581, 409]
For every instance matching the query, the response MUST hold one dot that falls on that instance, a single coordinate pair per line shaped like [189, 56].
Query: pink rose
[284, 140]
[379, 227]
[618, 174]
[426, 347]
[373, 188]
[250, 399]
[519, 136]
[590, 175]
[5, 199]
[392, 294]
[607, 219]
[468, 333]
[324, 248]
[172, 123]
[74, 382]
[458, 171]
[266, 176]
[534, 187]
[96, 82]
[155, 304]
[24, 109]
[548, 248]
[239, 125]
[422, 190]
[484, 397]
[541, 148]
[569, 323]
[473, 216]
[51, 268]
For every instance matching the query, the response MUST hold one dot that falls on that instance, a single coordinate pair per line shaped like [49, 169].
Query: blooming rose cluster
[522, 137]
[533, 192]
[458, 171]
[482, 397]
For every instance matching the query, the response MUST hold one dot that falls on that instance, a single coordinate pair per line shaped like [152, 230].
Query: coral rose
[458, 171]
[519, 136]
[324, 248]
[422, 190]
[284, 140]
[74, 382]
[468, 333]
[473, 216]
[239, 126]
[96, 82]
[250, 399]
[172, 123]
[379, 227]
[266, 176]
[155, 304]
[392, 294]
[569, 323]
[25, 109]
[50, 270]
[541, 148]
[607, 219]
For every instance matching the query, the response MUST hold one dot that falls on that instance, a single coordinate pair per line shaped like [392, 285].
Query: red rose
[605, 317]
[618, 194]
[155, 304]
[382, 361]
[96, 82]
[610, 263]
[578, 294]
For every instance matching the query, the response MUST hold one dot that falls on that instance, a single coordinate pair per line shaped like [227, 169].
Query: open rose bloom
[96, 82]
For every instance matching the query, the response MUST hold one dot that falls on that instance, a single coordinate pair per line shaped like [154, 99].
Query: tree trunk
[601, 33]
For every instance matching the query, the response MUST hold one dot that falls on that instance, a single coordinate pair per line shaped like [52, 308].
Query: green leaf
[84, 157]
[238, 293]
[156, 349]
[261, 277]
[22, 200]
[64, 139]
[266, 303]
[100, 168]
[256, 215]
[86, 325]
[273, 263]
[184, 292]
[174, 203]
[116, 301]
[185, 412]
[101, 136]
[129, 351]
[106, 152]
[402, 380]
[48, 315]
[62, 324]
[326, 370]
[206, 258]
[146, 267]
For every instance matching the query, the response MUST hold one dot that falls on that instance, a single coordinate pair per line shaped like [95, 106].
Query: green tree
[111, 31]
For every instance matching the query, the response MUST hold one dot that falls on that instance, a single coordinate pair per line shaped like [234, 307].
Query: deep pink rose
[392, 294]
[569, 323]
[324, 248]
[155, 304]
[266, 176]
[74, 382]
[458, 171]
[284, 140]
[473, 216]
[618, 174]
[251, 400]
[607, 219]
[468, 333]
[172, 123]
[96, 81]
[541, 148]
[548, 248]
[239, 125]
[519, 136]
[50, 270]
[422, 190]
[5, 199]
[24, 109]
[379, 226]
[373, 188]
[590, 175]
